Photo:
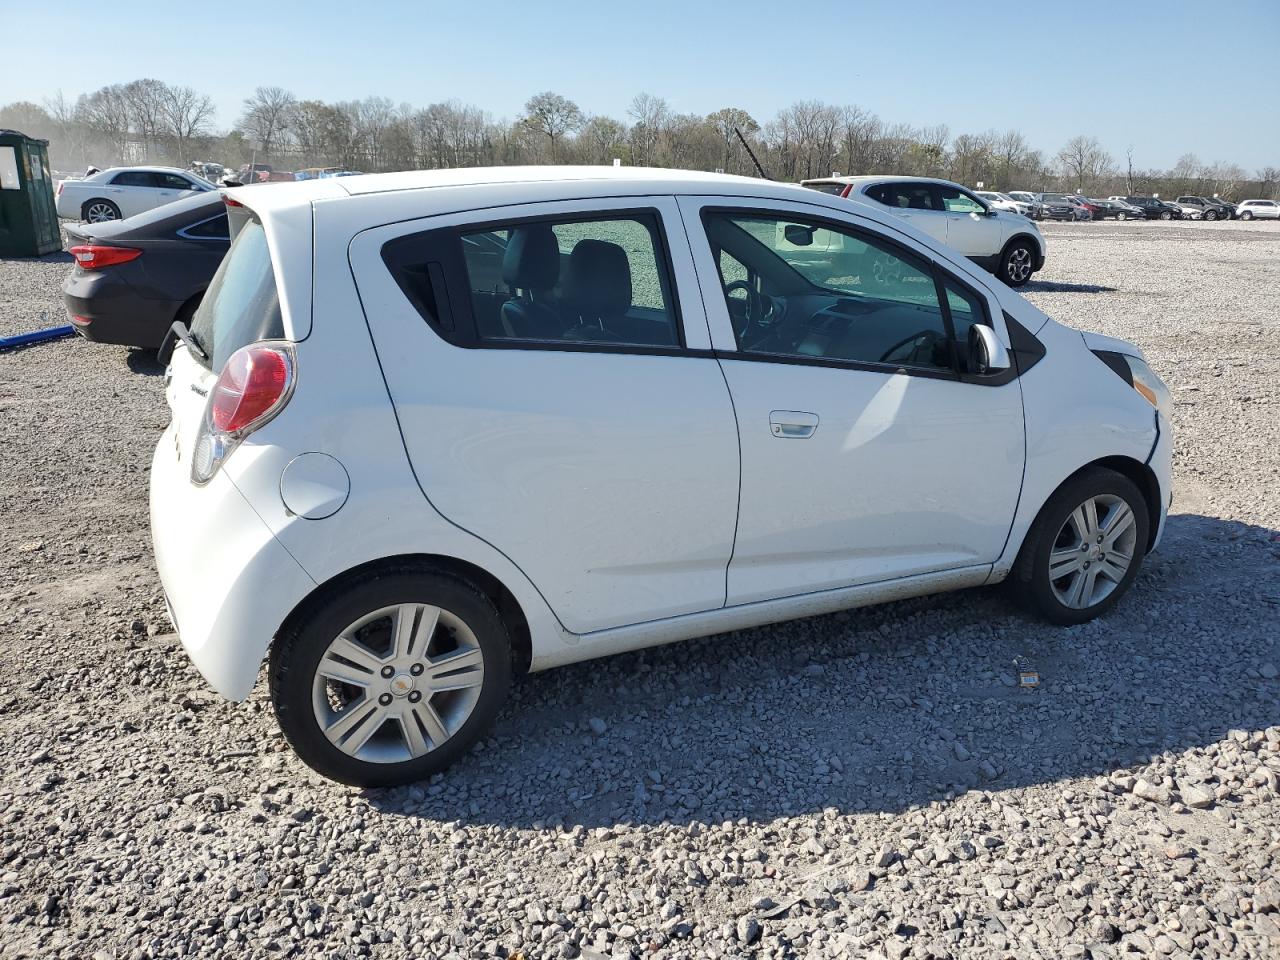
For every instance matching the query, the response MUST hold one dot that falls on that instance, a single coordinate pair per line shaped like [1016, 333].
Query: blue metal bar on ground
[39, 336]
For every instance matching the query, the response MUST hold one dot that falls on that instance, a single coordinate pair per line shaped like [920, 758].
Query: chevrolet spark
[430, 429]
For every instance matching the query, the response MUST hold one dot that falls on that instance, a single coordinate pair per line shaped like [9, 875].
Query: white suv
[1261, 209]
[429, 429]
[1006, 243]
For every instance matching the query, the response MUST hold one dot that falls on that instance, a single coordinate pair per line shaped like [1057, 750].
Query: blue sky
[1141, 74]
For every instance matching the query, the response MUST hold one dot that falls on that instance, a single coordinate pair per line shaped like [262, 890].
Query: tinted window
[833, 188]
[171, 181]
[242, 304]
[134, 178]
[908, 196]
[585, 281]
[957, 201]
[214, 228]
[824, 292]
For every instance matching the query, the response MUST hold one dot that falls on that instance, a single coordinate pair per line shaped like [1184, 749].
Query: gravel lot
[866, 784]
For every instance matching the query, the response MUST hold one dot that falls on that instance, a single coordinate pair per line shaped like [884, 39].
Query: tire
[99, 210]
[360, 620]
[1017, 263]
[1246, 215]
[1122, 215]
[1055, 534]
[1210, 215]
[1166, 214]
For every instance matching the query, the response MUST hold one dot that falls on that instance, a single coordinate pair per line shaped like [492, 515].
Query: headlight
[1150, 386]
[1141, 377]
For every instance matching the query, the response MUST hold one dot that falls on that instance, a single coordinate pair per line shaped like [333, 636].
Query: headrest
[598, 279]
[532, 258]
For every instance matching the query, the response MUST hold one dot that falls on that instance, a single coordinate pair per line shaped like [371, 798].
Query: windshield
[242, 304]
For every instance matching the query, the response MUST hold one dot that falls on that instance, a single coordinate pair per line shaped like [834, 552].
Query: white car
[433, 428]
[1004, 201]
[120, 192]
[1007, 244]
[1190, 211]
[1258, 209]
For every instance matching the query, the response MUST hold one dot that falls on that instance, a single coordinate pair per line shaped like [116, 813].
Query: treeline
[151, 121]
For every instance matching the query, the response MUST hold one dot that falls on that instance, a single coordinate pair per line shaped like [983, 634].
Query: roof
[883, 177]
[146, 168]
[596, 181]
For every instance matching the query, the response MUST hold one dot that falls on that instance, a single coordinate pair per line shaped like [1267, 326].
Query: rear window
[242, 304]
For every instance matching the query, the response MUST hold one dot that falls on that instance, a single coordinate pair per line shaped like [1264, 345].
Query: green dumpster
[28, 220]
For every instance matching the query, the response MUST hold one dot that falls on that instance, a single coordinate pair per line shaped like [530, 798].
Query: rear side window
[906, 196]
[835, 189]
[133, 178]
[215, 228]
[581, 281]
[242, 304]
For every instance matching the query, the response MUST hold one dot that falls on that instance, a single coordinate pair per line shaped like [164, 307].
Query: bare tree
[187, 114]
[726, 122]
[553, 116]
[602, 139]
[1084, 161]
[649, 116]
[266, 116]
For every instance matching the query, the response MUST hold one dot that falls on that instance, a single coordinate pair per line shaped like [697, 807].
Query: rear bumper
[105, 308]
[228, 581]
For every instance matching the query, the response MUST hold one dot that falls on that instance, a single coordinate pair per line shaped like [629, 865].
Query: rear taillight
[94, 256]
[255, 384]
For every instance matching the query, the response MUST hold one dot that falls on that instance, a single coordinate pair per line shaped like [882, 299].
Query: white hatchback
[431, 429]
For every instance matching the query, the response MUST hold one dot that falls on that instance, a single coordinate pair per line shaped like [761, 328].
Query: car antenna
[751, 153]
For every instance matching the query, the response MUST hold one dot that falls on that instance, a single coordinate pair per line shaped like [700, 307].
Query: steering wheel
[920, 348]
[759, 305]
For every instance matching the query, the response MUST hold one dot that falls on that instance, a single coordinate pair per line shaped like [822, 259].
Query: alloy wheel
[398, 683]
[100, 213]
[1018, 267]
[1093, 551]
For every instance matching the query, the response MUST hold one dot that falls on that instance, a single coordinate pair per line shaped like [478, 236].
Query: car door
[133, 191]
[172, 186]
[868, 453]
[970, 228]
[550, 368]
[915, 201]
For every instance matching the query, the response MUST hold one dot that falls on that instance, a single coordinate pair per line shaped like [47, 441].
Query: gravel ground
[870, 784]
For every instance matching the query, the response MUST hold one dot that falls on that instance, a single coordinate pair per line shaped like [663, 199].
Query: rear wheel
[392, 677]
[1017, 263]
[1084, 549]
[99, 211]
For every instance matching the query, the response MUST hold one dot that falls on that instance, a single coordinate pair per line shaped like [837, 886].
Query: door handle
[792, 424]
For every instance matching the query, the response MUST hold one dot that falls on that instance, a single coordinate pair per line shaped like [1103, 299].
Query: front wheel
[1211, 215]
[1166, 214]
[1017, 263]
[1122, 215]
[1246, 215]
[392, 677]
[1084, 549]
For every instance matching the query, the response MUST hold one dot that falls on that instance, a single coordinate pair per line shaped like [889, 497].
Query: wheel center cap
[401, 684]
[1095, 552]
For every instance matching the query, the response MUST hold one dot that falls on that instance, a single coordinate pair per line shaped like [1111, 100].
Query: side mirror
[798, 235]
[987, 354]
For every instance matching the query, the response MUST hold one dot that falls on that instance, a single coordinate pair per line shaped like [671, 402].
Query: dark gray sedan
[134, 277]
